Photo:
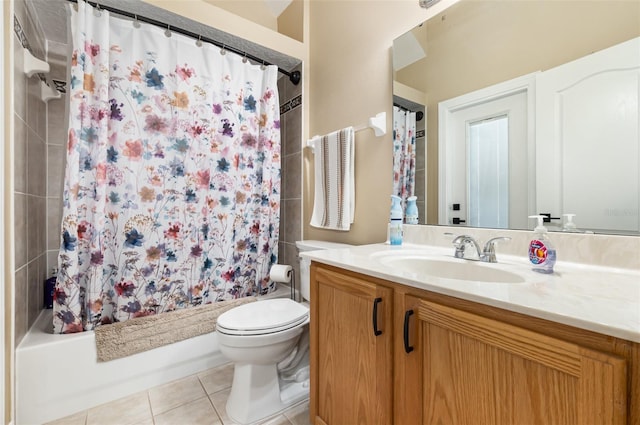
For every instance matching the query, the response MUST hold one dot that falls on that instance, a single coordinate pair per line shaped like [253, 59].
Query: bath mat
[134, 336]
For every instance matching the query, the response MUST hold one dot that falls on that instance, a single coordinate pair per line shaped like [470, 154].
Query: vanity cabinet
[451, 361]
[479, 370]
[351, 358]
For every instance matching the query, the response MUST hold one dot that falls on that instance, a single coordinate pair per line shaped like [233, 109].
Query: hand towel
[334, 198]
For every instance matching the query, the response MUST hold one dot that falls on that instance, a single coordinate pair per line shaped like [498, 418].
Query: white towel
[334, 199]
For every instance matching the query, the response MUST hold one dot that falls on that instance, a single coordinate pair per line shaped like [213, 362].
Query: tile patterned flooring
[194, 400]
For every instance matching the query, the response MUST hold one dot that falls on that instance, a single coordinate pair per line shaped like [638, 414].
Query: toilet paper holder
[284, 273]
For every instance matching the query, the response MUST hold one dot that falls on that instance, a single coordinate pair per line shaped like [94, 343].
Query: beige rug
[145, 333]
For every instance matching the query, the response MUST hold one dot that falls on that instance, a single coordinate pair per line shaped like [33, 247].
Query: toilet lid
[261, 317]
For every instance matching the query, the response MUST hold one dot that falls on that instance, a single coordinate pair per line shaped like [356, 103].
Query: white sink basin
[448, 267]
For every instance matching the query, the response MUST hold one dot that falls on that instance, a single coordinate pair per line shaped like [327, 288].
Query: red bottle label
[537, 252]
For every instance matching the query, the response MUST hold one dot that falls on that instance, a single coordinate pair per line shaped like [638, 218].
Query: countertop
[600, 299]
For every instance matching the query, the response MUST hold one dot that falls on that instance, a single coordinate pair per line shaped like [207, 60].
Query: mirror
[475, 45]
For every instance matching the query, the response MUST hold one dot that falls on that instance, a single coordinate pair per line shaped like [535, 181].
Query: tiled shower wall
[291, 191]
[40, 134]
[56, 146]
[421, 168]
[30, 179]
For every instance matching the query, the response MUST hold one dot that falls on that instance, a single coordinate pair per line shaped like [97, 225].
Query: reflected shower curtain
[404, 153]
[172, 187]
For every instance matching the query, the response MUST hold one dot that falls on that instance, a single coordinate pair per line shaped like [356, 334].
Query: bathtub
[58, 375]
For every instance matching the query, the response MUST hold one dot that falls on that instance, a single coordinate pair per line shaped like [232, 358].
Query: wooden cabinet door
[481, 371]
[407, 353]
[351, 343]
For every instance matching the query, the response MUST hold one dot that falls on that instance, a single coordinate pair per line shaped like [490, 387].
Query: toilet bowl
[268, 342]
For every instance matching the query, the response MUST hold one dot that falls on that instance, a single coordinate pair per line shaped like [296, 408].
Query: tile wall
[30, 179]
[291, 191]
[57, 55]
[421, 167]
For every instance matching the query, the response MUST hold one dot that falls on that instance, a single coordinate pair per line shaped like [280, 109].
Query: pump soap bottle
[542, 254]
[569, 225]
[395, 222]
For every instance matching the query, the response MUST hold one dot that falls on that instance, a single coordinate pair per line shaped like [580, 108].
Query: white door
[587, 151]
[486, 142]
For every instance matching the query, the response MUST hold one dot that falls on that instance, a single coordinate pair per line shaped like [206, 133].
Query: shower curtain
[404, 153]
[172, 186]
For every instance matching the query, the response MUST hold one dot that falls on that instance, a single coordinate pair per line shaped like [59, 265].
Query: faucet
[461, 242]
[489, 251]
[488, 254]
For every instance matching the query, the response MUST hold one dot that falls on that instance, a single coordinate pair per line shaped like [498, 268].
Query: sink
[449, 268]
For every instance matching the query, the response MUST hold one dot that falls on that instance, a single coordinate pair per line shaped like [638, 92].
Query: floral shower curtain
[172, 187]
[404, 153]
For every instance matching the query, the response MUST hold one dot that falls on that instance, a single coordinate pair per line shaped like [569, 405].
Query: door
[478, 370]
[587, 119]
[485, 145]
[351, 358]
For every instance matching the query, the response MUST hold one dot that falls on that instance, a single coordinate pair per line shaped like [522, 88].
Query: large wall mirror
[522, 108]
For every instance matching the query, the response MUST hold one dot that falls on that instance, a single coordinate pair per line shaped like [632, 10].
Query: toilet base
[257, 393]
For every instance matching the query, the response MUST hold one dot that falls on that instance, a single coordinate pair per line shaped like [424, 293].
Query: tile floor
[194, 400]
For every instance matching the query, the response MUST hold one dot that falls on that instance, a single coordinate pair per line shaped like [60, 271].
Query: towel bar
[378, 124]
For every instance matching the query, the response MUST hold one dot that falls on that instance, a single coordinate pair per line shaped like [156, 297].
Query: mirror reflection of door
[587, 129]
[486, 171]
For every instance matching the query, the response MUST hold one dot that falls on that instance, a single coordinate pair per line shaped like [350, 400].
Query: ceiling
[52, 15]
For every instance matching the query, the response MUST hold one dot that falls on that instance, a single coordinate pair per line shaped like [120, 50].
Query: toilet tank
[312, 245]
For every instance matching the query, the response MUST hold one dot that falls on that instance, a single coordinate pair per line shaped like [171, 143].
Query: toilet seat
[263, 317]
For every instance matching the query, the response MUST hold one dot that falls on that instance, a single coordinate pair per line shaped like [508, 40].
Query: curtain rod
[294, 76]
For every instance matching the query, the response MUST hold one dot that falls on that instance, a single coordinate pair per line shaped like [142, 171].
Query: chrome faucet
[461, 242]
[489, 251]
[487, 255]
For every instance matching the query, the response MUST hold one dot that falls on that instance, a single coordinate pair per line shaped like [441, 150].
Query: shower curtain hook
[97, 12]
[199, 41]
[167, 33]
[223, 51]
[244, 58]
[136, 23]
[263, 66]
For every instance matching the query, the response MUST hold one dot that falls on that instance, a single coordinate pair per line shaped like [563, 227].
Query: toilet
[268, 342]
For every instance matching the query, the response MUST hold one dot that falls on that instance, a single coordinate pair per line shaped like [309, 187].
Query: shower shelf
[33, 65]
[48, 93]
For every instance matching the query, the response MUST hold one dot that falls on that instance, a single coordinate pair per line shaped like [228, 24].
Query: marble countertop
[600, 299]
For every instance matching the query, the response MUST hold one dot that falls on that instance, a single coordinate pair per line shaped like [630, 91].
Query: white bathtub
[58, 375]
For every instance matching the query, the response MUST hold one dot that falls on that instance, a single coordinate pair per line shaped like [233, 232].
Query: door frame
[446, 109]
[4, 373]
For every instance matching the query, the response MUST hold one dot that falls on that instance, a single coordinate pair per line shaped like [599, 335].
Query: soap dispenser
[568, 225]
[542, 254]
[395, 221]
[411, 215]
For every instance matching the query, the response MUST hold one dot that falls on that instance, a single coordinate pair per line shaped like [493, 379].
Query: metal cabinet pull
[376, 331]
[407, 347]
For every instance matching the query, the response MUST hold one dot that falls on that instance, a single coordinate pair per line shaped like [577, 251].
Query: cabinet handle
[407, 347]
[376, 331]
